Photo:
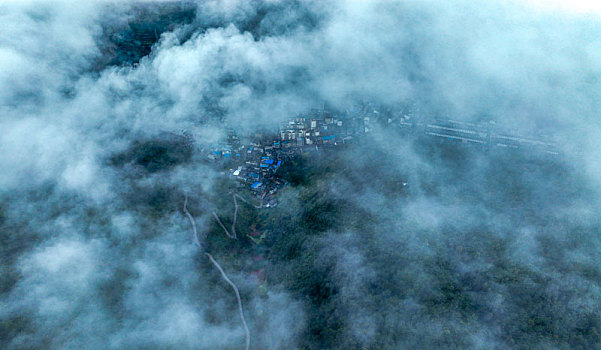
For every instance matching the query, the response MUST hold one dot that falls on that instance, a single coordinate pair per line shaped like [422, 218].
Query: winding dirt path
[240, 310]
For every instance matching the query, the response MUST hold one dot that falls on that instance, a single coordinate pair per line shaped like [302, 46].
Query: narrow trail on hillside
[240, 310]
[196, 240]
[223, 274]
[232, 233]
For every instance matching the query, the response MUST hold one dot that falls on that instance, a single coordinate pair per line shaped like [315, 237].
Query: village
[255, 165]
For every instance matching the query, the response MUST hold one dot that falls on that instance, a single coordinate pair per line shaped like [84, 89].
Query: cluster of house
[320, 128]
[255, 165]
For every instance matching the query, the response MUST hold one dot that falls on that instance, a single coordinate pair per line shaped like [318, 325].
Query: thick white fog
[97, 252]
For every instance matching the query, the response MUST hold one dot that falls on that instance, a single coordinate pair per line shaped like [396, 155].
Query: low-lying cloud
[481, 250]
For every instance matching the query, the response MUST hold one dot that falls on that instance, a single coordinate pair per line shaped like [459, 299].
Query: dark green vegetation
[476, 245]
[126, 44]
[150, 156]
[389, 243]
[157, 154]
[491, 262]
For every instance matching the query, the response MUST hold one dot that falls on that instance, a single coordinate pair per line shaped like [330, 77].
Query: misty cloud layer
[481, 251]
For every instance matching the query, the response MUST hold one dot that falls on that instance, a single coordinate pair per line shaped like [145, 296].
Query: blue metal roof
[255, 185]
